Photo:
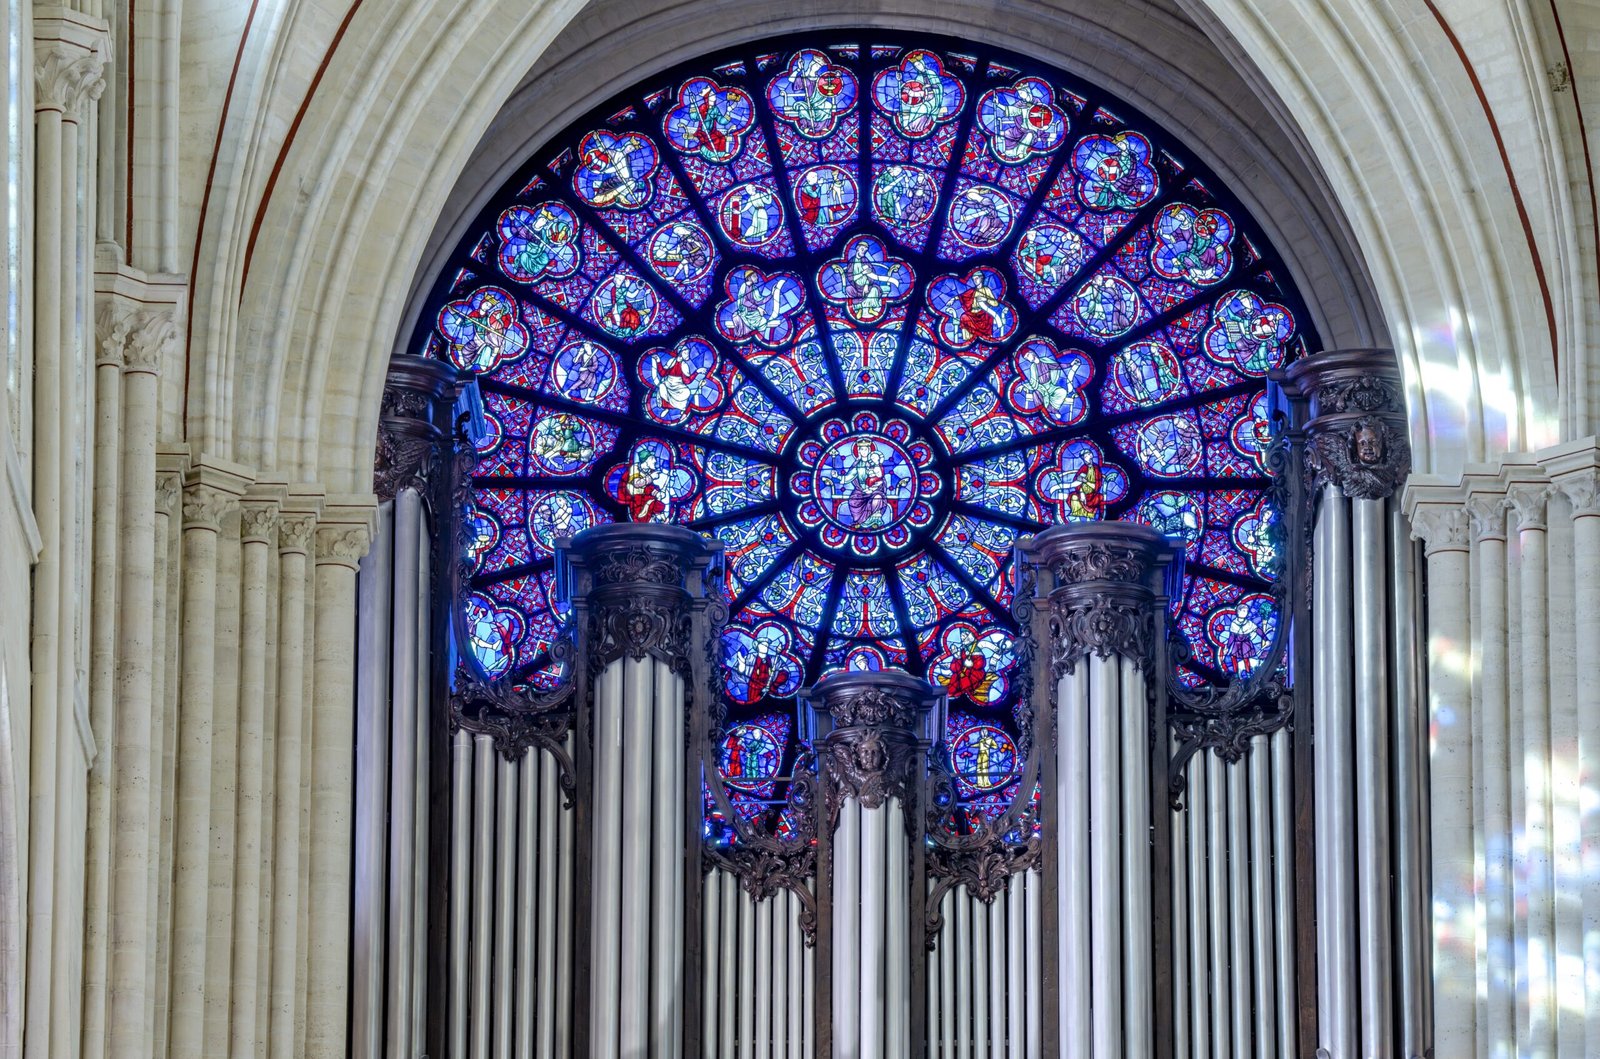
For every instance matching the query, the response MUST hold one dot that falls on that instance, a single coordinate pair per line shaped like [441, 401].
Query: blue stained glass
[812, 93]
[983, 756]
[654, 484]
[1021, 121]
[759, 663]
[974, 664]
[868, 315]
[865, 279]
[681, 380]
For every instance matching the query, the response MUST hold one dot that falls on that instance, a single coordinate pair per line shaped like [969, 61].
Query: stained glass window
[867, 311]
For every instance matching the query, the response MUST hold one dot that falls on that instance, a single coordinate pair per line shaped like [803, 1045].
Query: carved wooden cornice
[1358, 438]
[1097, 584]
[413, 424]
[872, 744]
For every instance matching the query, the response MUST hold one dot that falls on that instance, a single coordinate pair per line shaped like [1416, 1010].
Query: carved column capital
[1583, 490]
[1531, 505]
[137, 340]
[1488, 517]
[1099, 582]
[1357, 435]
[634, 586]
[258, 521]
[872, 731]
[294, 532]
[341, 544]
[70, 53]
[205, 506]
[412, 424]
[1441, 528]
[169, 487]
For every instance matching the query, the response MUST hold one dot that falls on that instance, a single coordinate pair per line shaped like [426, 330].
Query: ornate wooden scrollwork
[870, 747]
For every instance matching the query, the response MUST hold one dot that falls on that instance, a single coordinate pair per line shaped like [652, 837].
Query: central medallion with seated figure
[864, 483]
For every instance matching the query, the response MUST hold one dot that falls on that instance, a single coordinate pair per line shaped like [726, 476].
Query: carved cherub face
[1367, 444]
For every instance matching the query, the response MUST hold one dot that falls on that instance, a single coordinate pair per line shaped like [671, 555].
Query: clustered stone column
[872, 732]
[70, 56]
[1368, 730]
[1513, 588]
[639, 595]
[1095, 596]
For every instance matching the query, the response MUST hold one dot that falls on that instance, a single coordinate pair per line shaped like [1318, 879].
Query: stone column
[1096, 599]
[146, 337]
[209, 495]
[343, 537]
[258, 536]
[1368, 725]
[285, 1001]
[872, 733]
[1445, 530]
[637, 594]
[70, 55]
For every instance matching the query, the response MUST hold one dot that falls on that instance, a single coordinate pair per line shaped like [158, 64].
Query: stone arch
[411, 91]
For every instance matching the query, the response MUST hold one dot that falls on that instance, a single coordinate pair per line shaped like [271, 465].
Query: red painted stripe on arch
[1511, 178]
[205, 204]
[288, 142]
[1583, 133]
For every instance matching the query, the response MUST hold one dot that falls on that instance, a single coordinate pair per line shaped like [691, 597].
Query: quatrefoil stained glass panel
[868, 310]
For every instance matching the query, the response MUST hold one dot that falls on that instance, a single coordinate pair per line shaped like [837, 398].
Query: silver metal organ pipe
[1261, 897]
[1182, 1002]
[963, 976]
[554, 895]
[728, 994]
[998, 1029]
[869, 940]
[506, 926]
[1018, 988]
[1136, 817]
[605, 939]
[1197, 810]
[747, 971]
[1031, 886]
[638, 713]
[1371, 763]
[978, 960]
[897, 984]
[1336, 851]
[760, 955]
[531, 892]
[711, 942]
[666, 882]
[947, 971]
[847, 931]
[1221, 933]
[482, 877]
[408, 690]
[799, 981]
[563, 1035]
[1106, 892]
[460, 868]
[1239, 901]
[1283, 892]
[782, 930]
[420, 795]
[1072, 805]
[1410, 750]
